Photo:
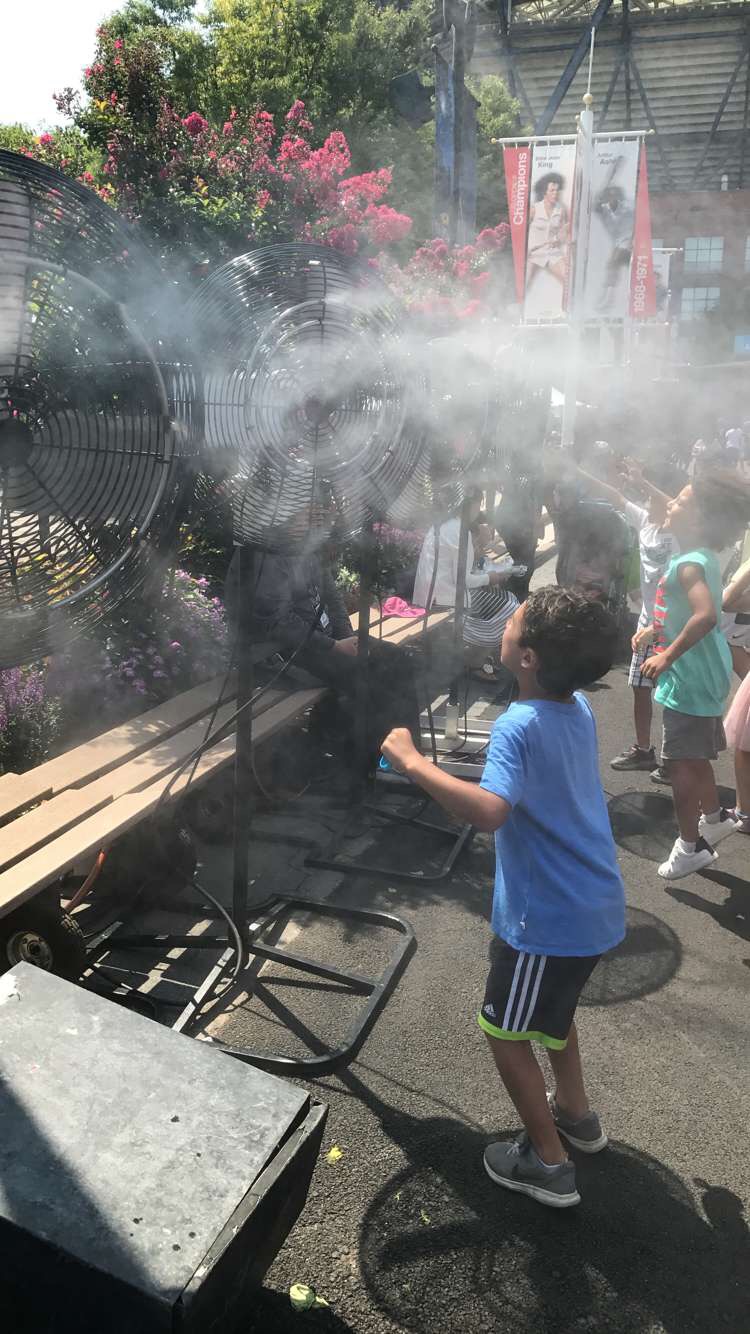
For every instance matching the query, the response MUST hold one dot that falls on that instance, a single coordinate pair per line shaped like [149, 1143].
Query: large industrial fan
[87, 451]
[90, 463]
[312, 427]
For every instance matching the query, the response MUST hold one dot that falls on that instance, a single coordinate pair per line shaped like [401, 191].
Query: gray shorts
[689, 737]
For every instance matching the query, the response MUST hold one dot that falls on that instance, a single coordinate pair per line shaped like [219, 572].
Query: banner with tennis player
[548, 238]
[606, 293]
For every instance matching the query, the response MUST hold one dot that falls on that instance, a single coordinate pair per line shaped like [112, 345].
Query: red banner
[642, 285]
[517, 164]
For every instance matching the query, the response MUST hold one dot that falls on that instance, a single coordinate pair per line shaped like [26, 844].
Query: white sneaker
[681, 863]
[714, 833]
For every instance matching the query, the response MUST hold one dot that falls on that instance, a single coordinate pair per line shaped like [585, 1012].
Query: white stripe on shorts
[535, 993]
[513, 989]
[527, 974]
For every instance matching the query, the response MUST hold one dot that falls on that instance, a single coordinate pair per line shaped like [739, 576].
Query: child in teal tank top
[693, 665]
[698, 682]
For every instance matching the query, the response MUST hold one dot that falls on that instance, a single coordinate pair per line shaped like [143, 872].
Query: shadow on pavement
[733, 914]
[647, 959]
[643, 823]
[443, 1248]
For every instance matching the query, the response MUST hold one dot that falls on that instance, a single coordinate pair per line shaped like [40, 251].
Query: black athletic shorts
[533, 995]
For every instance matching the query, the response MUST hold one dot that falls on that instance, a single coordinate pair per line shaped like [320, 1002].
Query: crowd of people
[559, 900]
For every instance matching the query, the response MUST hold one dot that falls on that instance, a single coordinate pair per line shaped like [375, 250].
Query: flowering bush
[140, 657]
[64, 149]
[29, 718]
[219, 187]
[453, 283]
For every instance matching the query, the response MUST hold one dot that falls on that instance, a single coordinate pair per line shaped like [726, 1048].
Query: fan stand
[252, 922]
[461, 837]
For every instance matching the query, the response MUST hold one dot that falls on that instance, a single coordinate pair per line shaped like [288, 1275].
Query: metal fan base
[266, 917]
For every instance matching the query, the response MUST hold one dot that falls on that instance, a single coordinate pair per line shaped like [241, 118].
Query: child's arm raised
[464, 801]
[700, 624]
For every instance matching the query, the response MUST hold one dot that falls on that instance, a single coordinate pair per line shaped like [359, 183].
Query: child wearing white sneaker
[693, 667]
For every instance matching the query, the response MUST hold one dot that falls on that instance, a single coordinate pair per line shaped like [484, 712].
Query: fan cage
[92, 469]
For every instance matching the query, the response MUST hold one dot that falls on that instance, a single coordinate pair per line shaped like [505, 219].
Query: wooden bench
[96, 792]
[67, 809]
[403, 629]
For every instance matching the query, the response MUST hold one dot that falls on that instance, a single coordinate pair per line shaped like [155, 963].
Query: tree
[157, 134]
[65, 148]
[499, 116]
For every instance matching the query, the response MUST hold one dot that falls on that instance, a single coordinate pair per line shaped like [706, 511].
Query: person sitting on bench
[299, 609]
[489, 603]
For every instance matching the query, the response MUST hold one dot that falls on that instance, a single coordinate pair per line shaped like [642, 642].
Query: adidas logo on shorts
[490, 1011]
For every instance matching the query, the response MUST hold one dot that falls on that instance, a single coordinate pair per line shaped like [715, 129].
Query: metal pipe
[243, 760]
[605, 136]
[458, 66]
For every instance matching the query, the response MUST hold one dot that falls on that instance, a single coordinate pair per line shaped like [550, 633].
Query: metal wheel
[41, 934]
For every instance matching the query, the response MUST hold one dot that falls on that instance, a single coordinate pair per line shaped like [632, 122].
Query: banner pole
[580, 257]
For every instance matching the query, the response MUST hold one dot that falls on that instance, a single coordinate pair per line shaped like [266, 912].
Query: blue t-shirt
[558, 888]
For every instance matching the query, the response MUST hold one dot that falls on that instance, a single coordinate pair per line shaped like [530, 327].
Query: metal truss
[680, 68]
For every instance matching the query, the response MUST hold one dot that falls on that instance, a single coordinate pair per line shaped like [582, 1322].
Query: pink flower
[118, 44]
[385, 225]
[478, 282]
[87, 72]
[368, 188]
[113, 99]
[228, 128]
[292, 150]
[195, 124]
[46, 139]
[263, 130]
[296, 116]
[344, 239]
[263, 198]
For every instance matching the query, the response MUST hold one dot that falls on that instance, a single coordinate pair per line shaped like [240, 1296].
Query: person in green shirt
[692, 666]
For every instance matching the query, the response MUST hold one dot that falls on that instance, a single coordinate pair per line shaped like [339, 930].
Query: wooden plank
[400, 629]
[48, 863]
[105, 752]
[29, 832]
[375, 619]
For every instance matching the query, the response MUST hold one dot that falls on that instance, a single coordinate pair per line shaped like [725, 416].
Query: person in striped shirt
[559, 901]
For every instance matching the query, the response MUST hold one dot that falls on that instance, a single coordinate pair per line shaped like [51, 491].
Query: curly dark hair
[575, 640]
[723, 500]
[551, 178]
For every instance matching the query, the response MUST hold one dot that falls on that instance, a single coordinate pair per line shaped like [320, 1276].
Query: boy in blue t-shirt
[559, 901]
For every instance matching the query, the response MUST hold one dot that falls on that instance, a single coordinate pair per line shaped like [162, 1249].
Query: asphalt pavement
[403, 1231]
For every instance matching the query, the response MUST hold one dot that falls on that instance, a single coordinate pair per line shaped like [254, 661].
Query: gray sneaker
[585, 1134]
[515, 1165]
[635, 758]
[661, 775]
